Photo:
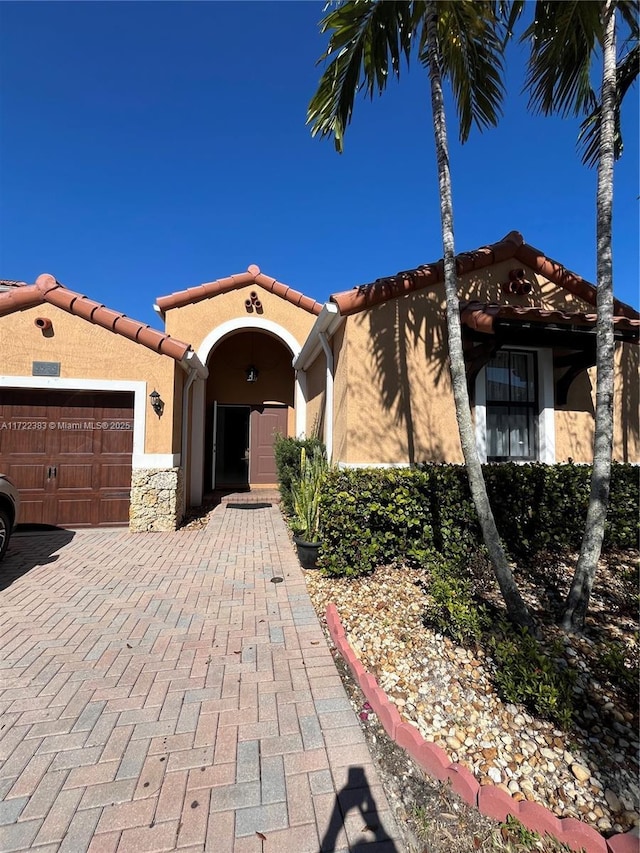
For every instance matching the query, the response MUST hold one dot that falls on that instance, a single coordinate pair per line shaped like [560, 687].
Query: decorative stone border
[488, 799]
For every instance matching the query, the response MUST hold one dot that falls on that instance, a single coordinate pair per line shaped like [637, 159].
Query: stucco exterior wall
[486, 285]
[340, 393]
[575, 421]
[86, 352]
[194, 322]
[227, 382]
[396, 403]
[400, 406]
[316, 385]
[627, 404]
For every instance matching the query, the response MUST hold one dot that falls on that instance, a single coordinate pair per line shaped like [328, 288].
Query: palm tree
[565, 38]
[461, 42]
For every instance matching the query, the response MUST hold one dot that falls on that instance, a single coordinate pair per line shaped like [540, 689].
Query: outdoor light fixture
[157, 403]
[252, 373]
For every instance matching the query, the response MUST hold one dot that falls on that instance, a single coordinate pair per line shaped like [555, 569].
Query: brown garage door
[69, 453]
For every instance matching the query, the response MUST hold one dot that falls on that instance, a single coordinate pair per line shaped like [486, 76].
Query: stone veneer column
[156, 499]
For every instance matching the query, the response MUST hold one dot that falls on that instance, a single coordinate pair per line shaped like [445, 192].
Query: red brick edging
[489, 799]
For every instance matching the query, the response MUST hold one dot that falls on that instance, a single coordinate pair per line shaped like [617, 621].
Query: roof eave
[328, 322]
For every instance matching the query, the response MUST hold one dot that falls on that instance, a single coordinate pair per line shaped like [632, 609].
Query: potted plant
[305, 492]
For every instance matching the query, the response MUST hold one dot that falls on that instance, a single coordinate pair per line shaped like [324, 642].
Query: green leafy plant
[451, 608]
[519, 832]
[371, 517]
[615, 663]
[527, 673]
[287, 455]
[305, 494]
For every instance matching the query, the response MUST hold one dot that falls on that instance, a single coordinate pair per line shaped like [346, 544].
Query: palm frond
[588, 138]
[563, 36]
[367, 42]
[630, 14]
[470, 40]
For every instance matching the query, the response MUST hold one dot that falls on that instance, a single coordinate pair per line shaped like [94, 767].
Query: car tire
[5, 532]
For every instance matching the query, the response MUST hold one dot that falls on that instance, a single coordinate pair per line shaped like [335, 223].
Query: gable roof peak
[253, 276]
[513, 237]
[47, 289]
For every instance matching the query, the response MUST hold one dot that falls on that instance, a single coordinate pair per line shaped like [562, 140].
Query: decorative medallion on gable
[253, 303]
[517, 283]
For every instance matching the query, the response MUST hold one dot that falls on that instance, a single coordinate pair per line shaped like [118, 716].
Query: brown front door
[69, 453]
[266, 423]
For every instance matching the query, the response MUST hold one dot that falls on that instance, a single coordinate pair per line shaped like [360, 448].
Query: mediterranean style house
[104, 420]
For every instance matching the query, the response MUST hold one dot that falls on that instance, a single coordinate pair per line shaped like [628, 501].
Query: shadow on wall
[356, 796]
[629, 367]
[29, 549]
[409, 350]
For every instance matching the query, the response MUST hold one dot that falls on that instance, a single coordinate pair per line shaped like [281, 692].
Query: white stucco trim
[328, 397]
[328, 322]
[247, 323]
[161, 461]
[300, 403]
[205, 349]
[373, 464]
[198, 396]
[546, 418]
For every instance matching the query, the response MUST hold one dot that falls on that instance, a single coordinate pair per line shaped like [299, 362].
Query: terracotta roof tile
[483, 316]
[234, 282]
[48, 290]
[512, 246]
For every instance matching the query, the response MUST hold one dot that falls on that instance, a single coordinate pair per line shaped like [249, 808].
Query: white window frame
[546, 449]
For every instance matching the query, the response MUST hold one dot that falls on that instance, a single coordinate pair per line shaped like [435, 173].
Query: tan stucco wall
[575, 421]
[227, 382]
[194, 322]
[627, 404]
[394, 404]
[316, 383]
[340, 393]
[485, 285]
[399, 406]
[86, 351]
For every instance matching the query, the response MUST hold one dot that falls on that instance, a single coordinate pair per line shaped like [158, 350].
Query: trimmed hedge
[372, 517]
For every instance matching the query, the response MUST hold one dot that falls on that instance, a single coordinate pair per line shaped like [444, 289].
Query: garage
[70, 454]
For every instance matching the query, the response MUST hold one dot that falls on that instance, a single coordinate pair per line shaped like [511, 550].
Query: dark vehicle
[9, 508]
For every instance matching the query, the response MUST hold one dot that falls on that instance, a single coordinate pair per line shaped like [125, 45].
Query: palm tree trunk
[580, 592]
[516, 608]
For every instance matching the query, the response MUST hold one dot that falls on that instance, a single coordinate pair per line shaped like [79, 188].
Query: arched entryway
[250, 396]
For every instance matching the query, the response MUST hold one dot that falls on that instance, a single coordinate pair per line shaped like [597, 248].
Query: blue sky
[148, 147]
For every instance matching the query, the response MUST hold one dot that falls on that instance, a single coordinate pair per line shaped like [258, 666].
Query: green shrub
[451, 607]
[528, 674]
[287, 456]
[616, 664]
[372, 517]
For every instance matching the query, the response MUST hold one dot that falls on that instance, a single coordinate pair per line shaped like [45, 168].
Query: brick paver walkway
[160, 692]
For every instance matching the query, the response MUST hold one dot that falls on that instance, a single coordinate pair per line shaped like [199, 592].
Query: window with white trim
[512, 406]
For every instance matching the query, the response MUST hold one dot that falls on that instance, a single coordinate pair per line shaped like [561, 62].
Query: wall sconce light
[157, 404]
[252, 373]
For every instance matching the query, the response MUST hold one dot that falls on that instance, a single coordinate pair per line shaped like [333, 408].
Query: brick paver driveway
[160, 692]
